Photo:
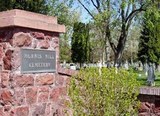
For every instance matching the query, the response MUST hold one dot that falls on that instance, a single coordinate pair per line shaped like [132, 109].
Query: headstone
[72, 66]
[100, 66]
[158, 68]
[64, 64]
[126, 66]
[112, 64]
[116, 66]
[135, 65]
[146, 67]
[108, 64]
[151, 75]
[140, 67]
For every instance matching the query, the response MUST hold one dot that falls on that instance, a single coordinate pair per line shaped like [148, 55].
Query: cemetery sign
[35, 61]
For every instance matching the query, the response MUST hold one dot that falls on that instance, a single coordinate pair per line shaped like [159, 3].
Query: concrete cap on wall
[26, 19]
[150, 90]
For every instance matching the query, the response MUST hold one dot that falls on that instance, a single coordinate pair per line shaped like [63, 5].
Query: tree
[80, 43]
[39, 6]
[68, 16]
[131, 47]
[112, 14]
[149, 45]
[65, 50]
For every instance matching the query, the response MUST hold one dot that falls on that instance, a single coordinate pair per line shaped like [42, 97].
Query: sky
[85, 17]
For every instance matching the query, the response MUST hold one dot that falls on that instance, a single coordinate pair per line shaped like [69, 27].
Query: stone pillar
[30, 94]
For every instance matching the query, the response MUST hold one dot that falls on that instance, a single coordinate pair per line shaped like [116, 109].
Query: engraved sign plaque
[35, 61]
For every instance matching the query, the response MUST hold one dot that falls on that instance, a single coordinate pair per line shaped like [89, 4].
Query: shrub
[109, 94]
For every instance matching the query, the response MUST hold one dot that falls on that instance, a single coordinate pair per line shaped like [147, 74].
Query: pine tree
[149, 45]
[80, 43]
[38, 6]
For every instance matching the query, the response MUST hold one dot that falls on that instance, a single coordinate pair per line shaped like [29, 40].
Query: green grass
[142, 78]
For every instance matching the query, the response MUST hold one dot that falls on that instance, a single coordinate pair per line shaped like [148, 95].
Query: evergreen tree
[80, 43]
[149, 46]
[38, 6]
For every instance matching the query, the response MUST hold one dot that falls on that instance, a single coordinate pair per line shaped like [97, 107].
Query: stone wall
[38, 94]
[150, 101]
[150, 105]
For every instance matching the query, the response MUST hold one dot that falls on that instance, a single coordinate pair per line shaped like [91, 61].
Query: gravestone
[151, 75]
[140, 66]
[126, 65]
[158, 68]
[146, 67]
[100, 66]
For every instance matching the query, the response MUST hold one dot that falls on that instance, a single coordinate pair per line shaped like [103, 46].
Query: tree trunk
[119, 49]
[118, 59]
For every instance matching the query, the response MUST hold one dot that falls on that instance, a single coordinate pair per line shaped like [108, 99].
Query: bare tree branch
[98, 4]
[128, 8]
[132, 16]
[108, 36]
[134, 13]
[122, 16]
[113, 47]
[86, 9]
[103, 5]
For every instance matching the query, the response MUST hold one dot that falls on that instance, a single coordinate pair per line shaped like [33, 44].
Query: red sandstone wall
[41, 94]
[150, 105]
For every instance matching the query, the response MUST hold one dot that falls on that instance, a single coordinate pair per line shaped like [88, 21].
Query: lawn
[142, 78]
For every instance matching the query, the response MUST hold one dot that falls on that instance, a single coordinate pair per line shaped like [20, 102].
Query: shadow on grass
[142, 77]
[143, 81]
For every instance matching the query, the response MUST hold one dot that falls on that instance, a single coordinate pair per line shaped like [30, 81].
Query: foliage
[65, 50]
[39, 6]
[131, 47]
[110, 15]
[108, 94]
[67, 16]
[149, 46]
[62, 9]
[80, 43]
